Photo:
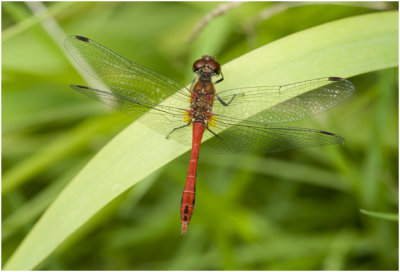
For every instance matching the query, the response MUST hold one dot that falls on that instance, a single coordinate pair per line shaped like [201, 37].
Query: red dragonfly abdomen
[188, 197]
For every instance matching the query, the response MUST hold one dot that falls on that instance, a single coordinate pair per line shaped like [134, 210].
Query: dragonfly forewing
[121, 76]
[286, 103]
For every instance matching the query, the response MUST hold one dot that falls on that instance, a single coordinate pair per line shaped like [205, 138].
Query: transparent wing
[135, 89]
[234, 135]
[304, 99]
[161, 118]
[121, 76]
[251, 137]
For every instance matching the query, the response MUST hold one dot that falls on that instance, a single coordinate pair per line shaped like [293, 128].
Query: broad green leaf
[343, 48]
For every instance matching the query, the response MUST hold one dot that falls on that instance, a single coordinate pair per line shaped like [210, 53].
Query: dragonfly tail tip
[184, 228]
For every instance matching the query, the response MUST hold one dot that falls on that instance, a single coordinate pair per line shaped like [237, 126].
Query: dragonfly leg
[191, 85]
[223, 102]
[219, 80]
[213, 133]
[172, 131]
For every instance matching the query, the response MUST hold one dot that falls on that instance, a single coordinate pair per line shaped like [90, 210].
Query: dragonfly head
[207, 64]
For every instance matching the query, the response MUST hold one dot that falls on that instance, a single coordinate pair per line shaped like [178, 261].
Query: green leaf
[387, 216]
[343, 48]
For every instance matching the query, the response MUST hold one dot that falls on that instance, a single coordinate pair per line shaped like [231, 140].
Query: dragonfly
[241, 120]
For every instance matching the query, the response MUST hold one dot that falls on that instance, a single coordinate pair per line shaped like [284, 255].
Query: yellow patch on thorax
[211, 121]
[186, 117]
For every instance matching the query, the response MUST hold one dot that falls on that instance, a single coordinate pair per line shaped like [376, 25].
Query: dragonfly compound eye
[214, 65]
[199, 64]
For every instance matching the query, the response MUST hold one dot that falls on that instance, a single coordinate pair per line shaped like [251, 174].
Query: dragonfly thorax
[206, 87]
[202, 99]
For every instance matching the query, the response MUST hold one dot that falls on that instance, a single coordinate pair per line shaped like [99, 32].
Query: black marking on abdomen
[186, 209]
[185, 217]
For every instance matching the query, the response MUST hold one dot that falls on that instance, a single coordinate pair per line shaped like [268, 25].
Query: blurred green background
[295, 210]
